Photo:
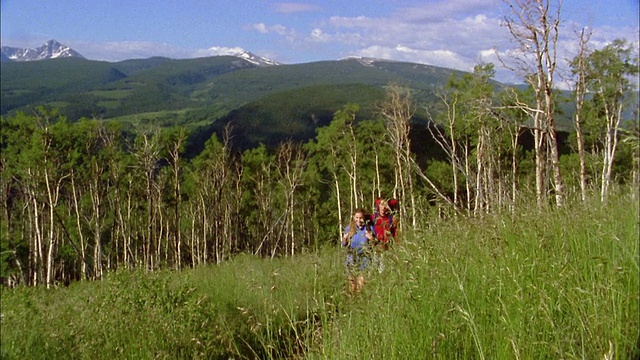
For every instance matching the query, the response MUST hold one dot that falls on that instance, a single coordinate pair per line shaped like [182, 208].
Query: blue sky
[451, 33]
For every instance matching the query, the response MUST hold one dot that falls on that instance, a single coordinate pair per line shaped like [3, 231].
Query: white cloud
[116, 51]
[219, 51]
[463, 28]
[455, 34]
[404, 49]
[440, 57]
[318, 35]
[261, 28]
[277, 29]
[444, 11]
[425, 34]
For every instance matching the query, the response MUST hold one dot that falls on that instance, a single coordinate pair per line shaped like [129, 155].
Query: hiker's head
[359, 217]
[382, 206]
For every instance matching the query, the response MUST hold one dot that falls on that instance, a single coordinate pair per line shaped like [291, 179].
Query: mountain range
[263, 101]
[49, 50]
[52, 49]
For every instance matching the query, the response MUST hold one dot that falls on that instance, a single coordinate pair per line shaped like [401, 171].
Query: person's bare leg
[352, 284]
[360, 283]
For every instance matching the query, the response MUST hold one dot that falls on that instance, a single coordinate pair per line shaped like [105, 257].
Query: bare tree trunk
[130, 259]
[83, 266]
[536, 30]
[582, 156]
[580, 68]
[553, 141]
[290, 165]
[36, 256]
[147, 155]
[514, 165]
[205, 230]
[454, 151]
[175, 147]
[336, 184]
[469, 177]
[377, 183]
[53, 193]
[613, 117]
[97, 221]
[353, 156]
[480, 200]
[451, 149]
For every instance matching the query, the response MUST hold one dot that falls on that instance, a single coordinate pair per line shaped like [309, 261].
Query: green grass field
[558, 284]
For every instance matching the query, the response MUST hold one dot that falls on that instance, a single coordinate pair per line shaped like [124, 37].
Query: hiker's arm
[370, 234]
[345, 239]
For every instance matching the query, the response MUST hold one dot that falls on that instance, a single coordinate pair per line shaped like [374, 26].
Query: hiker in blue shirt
[358, 236]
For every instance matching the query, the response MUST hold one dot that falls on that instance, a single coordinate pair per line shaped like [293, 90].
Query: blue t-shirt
[358, 260]
[359, 239]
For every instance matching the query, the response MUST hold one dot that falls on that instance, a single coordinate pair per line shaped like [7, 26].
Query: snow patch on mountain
[53, 50]
[255, 59]
[366, 61]
[49, 50]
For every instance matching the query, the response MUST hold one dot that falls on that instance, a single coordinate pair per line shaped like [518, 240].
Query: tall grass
[562, 283]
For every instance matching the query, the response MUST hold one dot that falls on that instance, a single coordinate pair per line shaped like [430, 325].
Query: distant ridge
[49, 50]
[366, 61]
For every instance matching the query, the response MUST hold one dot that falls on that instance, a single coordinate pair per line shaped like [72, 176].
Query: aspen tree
[608, 79]
[113, 158]
[22, 154]
[217, 190]
[376, 166]
[335, 150]
[534, 25]
[397, 110]
[470, 136]
[204, 171]
[55, 146]
[175, 143]
[513, 121]
[291, 162]
[147, 154]
[259, 200]
[579, 68]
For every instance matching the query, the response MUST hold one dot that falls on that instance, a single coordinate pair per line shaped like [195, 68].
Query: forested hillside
[81, 87]
[207, 93]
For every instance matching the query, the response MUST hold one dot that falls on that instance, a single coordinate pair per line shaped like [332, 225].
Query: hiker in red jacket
[385, 223]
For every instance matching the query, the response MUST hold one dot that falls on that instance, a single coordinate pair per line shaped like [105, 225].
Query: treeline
[80, 199]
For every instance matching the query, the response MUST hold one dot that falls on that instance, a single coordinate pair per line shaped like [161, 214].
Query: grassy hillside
[551, 285]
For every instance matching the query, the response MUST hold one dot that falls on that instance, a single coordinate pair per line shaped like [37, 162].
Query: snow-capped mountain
[53, 49]
[49, 50]
[255, 59]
